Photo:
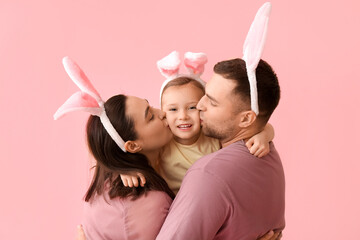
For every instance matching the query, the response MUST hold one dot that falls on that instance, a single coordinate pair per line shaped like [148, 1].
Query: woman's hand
[132, 179]
[80, 233]
[271, 235]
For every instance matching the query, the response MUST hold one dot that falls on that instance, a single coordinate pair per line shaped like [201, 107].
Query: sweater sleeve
[199, 209]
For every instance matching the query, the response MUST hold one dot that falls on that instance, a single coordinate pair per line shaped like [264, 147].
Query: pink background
[313, 46]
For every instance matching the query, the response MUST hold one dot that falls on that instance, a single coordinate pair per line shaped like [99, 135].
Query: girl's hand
[132, 179]
[258, 144]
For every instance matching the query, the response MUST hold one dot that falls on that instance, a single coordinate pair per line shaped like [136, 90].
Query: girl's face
[179, 103]
[150, 124]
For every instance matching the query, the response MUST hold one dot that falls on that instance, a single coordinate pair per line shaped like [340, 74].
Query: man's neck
[243, 134]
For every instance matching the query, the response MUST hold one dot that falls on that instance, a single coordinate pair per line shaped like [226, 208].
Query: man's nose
[200, 105]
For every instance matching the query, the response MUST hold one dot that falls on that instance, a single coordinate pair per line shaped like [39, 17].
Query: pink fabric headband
[253, 48]
[87, 100]
[169, 67]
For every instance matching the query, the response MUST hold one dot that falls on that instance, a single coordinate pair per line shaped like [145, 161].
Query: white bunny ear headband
[169, 67]
[88, 100]
[253, 48]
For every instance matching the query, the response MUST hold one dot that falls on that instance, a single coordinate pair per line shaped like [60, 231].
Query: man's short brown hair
[267, 85]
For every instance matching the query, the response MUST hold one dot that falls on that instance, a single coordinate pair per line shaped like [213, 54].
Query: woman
[120, 136]
[113, 211]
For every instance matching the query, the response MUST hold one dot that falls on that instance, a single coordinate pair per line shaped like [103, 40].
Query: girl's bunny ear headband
[88, 100]
[169, 67]
[253, 48]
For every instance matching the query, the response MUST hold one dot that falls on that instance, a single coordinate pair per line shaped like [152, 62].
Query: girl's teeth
[185, 126]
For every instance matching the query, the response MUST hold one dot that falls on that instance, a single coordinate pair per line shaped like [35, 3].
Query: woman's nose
[162, 114]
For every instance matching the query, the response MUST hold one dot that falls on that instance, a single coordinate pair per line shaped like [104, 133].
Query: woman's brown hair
[111, 161]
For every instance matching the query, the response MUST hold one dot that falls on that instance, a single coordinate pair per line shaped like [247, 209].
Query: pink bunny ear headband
[253, 48]
[169, 67]
[88, 100]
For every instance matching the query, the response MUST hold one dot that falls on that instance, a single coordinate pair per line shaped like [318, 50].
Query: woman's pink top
[123, 218]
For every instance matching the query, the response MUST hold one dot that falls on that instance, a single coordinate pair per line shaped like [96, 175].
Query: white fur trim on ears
[111, 130]
[253, 48]
[172, 62]
[253, 92]
[86, 100]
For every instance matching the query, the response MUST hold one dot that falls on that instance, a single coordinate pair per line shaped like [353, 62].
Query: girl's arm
[258, 144]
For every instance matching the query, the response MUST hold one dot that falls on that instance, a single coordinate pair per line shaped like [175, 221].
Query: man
[230, 194]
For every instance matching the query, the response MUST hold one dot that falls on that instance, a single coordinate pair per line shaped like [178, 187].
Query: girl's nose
[183, 114]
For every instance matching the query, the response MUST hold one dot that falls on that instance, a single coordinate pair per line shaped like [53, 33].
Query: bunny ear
[79, 101]
[79, 78]
[253, 48]
[195, 62]
[169, 65]
[255, 40]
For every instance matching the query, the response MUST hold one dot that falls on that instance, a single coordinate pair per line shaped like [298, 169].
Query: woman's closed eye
[152, 117]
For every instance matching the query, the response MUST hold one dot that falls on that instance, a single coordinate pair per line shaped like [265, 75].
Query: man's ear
[247, 118]
[132, 146]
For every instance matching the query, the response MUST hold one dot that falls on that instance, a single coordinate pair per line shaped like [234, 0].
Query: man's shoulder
[233, 160]
[233, 151]
[219, 159]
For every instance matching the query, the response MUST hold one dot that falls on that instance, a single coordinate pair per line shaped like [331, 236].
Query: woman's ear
[247, 118]
[132, 147]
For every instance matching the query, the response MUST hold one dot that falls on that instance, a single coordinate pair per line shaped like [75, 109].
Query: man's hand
[80, 233]
[271, 235]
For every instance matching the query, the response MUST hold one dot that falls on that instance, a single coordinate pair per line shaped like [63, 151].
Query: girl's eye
[193, 107]
[172, 109]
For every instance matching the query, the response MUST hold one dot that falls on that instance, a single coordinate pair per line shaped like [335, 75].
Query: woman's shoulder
[118, 217]
[147, 200]
[145, 215]
[150, 199]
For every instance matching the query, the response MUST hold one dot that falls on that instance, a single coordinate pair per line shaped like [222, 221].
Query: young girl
[179, 97]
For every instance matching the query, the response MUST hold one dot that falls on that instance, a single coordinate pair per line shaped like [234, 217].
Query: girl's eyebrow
[171, 105]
